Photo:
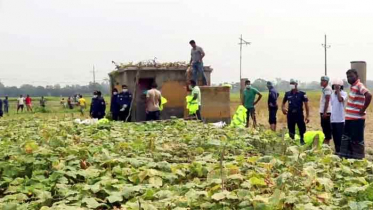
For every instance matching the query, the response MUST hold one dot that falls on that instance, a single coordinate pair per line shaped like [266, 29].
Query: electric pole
[94, 74]
[242, 42]
[325, 46]
[94, 77]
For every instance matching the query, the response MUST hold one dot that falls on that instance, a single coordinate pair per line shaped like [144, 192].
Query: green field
[49, 162]
[53, 107]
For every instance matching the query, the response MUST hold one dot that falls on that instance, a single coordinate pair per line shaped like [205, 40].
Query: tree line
[54, 90]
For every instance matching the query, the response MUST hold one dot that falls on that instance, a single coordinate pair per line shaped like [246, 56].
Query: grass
[53, 107]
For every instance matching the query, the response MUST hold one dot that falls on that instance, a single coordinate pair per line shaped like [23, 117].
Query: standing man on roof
[272, 105]
[326, 108]
[249, 102]
[296, 99]
[124, 101]
[196, 62]
[359, 99]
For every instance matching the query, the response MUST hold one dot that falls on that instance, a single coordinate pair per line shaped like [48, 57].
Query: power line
[325, 46]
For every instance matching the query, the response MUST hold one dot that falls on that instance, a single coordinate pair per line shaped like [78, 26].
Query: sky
[44, 42]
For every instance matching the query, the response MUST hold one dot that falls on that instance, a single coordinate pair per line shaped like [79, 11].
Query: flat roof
[160, 68]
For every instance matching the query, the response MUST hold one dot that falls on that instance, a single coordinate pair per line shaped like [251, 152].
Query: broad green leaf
[91, 203]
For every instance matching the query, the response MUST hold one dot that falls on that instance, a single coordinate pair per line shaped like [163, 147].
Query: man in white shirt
[153, 101]
[20, 103]
[196, 93]
[325, 108]
[337, 118]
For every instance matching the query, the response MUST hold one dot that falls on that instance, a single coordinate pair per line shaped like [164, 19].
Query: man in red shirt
[352, 145]
[29, 103]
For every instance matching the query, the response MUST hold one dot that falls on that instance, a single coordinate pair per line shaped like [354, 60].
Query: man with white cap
[337, 117]
[326, 108]
[296, 99]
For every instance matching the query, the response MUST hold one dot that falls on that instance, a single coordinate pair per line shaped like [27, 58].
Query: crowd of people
[20, 104]
[342, 115]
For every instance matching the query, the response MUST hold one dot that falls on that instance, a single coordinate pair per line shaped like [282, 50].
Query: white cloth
[327, 91]
[21, 101]
[338, 108]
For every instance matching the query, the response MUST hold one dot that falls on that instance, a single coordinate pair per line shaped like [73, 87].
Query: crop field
[49, 162]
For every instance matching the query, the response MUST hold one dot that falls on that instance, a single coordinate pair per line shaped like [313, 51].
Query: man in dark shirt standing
[272, 105]
[294, 112]
[124, 101]
[6, 105]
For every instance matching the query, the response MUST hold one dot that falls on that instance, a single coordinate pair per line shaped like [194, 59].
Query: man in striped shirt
[352, 145]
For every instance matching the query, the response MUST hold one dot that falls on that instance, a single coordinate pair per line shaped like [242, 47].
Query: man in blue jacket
[98, 106]
[124, 101]
[114, 105]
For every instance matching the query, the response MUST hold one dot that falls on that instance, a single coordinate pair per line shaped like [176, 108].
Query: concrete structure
[361, 68]
[172, 83]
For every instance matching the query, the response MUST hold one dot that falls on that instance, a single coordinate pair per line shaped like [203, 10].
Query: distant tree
[260, 84]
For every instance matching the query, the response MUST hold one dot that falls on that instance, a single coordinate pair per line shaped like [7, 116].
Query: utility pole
[94, 77]
[242, 42]
[325, 46]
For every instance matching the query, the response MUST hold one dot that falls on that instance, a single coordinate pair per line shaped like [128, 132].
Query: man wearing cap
[272, 105]
[326, 108]
[294, 112]
[337, 117]
[352, 145]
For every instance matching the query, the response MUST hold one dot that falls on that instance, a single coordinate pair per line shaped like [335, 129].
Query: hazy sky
[58, 41]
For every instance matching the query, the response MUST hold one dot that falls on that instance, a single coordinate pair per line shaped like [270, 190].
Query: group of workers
[120, 106]
[342, 115]
[21, 102]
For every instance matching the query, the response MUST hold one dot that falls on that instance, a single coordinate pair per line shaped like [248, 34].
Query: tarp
[192, 105]
[163, 102]
[309, 138]
[239, 118]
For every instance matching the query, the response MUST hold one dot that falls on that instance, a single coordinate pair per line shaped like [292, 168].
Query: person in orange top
[352, 145]
[28, 103]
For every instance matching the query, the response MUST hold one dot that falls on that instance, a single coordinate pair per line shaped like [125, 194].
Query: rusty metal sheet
[175, 93]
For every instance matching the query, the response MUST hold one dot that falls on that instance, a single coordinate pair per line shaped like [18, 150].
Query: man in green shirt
[249, 102]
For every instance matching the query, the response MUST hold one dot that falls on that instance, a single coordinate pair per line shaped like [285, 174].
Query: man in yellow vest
[196, 93]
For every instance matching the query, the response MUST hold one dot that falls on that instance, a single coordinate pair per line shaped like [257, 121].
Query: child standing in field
[29, 103]
[82, 104]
